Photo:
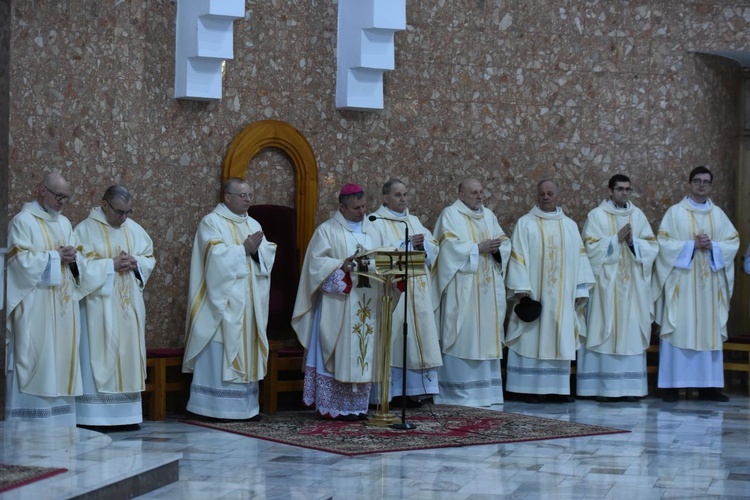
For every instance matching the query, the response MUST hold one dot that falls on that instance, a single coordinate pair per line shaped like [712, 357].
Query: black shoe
[712, 394]
[603, 399]
[532, 399]
[671, 395]
[362, 416]
[352, 417]
[565, 398]
[256, 418]
[630, 399]
[111, 428]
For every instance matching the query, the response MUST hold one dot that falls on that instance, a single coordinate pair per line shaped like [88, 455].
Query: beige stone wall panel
[509, 91]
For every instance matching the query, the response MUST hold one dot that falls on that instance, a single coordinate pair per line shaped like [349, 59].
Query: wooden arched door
[281, 135]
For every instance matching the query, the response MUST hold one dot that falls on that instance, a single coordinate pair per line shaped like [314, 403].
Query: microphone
[376, 217]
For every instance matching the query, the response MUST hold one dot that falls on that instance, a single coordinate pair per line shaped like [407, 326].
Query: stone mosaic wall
[504, 91]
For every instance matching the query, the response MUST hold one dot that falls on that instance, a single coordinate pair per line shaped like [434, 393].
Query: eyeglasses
[61, 198]
[621, 189]
[701, 182]
[119, 213]
[242, 196]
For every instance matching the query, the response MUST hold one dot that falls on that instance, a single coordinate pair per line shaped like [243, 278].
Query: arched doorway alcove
[277, 134]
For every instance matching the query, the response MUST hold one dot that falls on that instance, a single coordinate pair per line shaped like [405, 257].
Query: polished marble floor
[689, 449]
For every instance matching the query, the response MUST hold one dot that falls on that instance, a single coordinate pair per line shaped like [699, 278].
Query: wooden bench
[285, 373]
[737, 356]
[164, 376]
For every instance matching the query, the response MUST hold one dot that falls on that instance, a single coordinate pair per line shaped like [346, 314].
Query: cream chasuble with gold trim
[620, 310]
[472, 292]
[44, 319]
[115, 311]
[348, 321]
[228, 295]
[423, 346]
[693, 304]
[549, 262]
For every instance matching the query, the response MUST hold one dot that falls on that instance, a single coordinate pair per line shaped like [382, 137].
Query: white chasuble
[549, 263]
[228, 295]
[347, 330]
[620, 309]
[471, 285]
[423, 346]
[115, 311]
[693, 298]
[43, 316]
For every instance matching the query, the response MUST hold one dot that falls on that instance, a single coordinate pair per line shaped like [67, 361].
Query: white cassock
[113, 316]
[471, 288]
[549, 263]
[612, 361]
[43, 319]
[693, 288]
[423, 346]
[336, 320]
[226, 347]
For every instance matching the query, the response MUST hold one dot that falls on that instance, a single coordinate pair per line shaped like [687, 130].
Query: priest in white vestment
[226, 347]
[693, 286]
[474, 254]
[423, 347]
[336, 312]
[548, 264]
[621, 248]
[43, 320]
[119, 260]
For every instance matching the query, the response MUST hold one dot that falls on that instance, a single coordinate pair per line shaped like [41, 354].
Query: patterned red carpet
[438, 426]
[13, 476]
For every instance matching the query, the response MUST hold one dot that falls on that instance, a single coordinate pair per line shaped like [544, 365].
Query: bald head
[547, 195]
[53, 192]
[470, 192]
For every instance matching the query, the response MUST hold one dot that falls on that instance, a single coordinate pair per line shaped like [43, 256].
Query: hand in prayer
[703, 241]
[489, 246]
[625, 233]
[417, 241]
[124, 263]
[67, 254]
[252, 242]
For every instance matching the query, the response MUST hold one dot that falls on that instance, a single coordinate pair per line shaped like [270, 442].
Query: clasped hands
[702, 241]
[124, 262]
[489, 246]
[625, 233]
[252, 243]
[67, 254]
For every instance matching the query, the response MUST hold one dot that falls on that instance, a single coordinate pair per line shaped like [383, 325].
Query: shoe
[352, 417]
[566, 398]
[532, 399]
[112, 428]
[362, 416]
[671, 395]
[712, 394]
[630, 399]
[256, 418]
[603, 399]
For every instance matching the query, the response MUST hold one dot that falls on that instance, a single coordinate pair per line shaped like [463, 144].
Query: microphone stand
[404, 425]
